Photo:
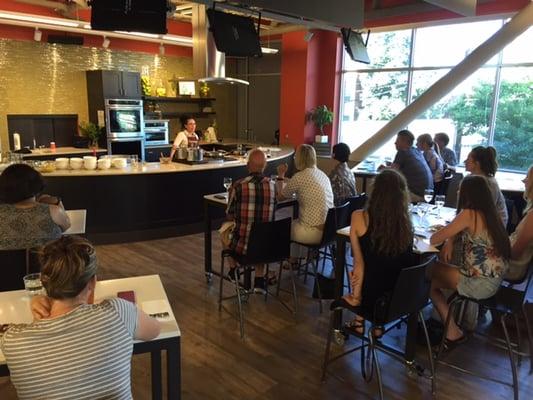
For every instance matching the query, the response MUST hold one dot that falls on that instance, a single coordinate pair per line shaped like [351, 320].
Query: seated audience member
[447, 154]
[382, 242]
[74, 349]
[522, 237]
[251, 199]
[484, 251]
[482, 161]
[27, 217]
[425, 144]
[313, 192]
[411, 163]
[341, 177]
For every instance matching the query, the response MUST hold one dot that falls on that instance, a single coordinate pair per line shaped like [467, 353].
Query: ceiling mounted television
[234, 35]
[147, 16]
[355, 46]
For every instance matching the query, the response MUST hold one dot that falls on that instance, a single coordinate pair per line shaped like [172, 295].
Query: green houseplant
[91, 131]
[321, 116]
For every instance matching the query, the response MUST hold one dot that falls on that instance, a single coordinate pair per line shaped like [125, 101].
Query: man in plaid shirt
[251, 199]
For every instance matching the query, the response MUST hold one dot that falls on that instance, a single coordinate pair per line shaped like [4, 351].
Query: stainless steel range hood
[209, 64]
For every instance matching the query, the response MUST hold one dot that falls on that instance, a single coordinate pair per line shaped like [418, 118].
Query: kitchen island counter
[153, 201]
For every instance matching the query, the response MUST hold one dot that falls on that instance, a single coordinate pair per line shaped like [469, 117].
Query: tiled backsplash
[42, 78]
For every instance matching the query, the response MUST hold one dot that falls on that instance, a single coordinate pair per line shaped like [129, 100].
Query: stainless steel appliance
[124, 119]
[155, 132]
[125, 126]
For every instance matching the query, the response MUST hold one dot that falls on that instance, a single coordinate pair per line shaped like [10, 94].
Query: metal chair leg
[239, 303]
[220, 287]
[266, 282]
[307, 265]
[529, 336]
[294, 293]
[511, 357]
[430, 352]
[375, 361]
[518, 340]
[279, 277]
[328, 346]
[319, 292]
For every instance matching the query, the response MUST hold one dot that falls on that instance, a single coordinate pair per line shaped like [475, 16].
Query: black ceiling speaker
[64, 39]
[148, 16]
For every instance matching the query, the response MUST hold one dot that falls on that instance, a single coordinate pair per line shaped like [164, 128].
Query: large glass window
[494, 106]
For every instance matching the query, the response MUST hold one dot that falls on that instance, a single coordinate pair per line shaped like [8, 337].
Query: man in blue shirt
[411, 163]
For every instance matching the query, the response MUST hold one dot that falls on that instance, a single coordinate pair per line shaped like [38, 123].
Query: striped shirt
[251, 199]
[83, 354]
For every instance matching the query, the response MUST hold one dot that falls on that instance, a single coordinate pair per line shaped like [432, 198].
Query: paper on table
[423, 246]
[159, 309]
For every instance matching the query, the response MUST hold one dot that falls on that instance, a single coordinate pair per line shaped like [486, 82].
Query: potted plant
[92, 132]
[321, 116]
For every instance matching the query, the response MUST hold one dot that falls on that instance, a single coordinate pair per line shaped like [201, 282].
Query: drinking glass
[134, 160]
[439, 202]
[32, 284]
[428, 195]
[227, 184]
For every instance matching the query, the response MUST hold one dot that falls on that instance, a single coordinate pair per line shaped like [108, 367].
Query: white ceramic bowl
[89, 164]
[104, 163]
[76, 162]
[61, 163]
[120, 162]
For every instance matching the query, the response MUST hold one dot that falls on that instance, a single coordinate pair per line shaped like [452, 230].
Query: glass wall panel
[513, 133]
[447, 45]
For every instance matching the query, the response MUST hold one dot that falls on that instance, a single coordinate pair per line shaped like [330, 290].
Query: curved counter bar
[155, 200]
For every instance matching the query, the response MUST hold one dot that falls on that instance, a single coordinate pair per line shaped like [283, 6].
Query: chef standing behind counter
[185, 138]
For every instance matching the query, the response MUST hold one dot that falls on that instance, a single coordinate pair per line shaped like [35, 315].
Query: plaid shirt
[251, 199]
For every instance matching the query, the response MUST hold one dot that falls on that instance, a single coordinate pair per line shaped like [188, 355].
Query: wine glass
[439, 202]
[227, 183]
[428, 195]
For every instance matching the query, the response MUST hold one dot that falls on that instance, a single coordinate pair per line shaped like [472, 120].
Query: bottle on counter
[53, 147]
[16, 141]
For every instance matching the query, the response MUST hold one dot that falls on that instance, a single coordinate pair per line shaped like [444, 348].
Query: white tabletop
[424, 226]
[77, 222]
[149, 292]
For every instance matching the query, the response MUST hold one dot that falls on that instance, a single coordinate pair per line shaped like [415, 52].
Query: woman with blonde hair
[312, 189]
[522, 237]
[74, 349]
[382, 242]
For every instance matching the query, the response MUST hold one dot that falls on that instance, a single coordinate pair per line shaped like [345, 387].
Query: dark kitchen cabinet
[103, 85]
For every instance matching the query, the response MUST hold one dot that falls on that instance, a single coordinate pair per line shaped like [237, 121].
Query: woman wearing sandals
[382, 243]
[484, 251]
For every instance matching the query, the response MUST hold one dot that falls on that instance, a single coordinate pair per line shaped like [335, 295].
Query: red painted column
[310, 76]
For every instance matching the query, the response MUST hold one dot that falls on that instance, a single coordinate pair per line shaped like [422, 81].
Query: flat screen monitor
[148, 16]
[234, 35]
[355, 46]
[186, 88]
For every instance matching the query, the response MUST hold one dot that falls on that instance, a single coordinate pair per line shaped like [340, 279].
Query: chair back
[452, 189]
[411, 291]
[336, 219]
[269, 241]
[357, 202]
[14, 264]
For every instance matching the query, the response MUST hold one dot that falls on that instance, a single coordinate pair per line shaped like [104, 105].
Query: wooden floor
[281, 356]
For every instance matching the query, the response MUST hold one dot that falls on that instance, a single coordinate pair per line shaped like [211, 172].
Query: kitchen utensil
[195, 154]
[182, 153]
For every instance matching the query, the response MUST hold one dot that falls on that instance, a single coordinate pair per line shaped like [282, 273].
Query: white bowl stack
[104, 163]
[89, 162]
[76, 162]
[62, 163]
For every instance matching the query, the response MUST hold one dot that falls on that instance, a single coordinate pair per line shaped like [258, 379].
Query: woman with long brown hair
[382, 242]
[484, 251]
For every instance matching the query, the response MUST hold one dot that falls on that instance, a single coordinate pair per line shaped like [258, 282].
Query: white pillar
[484, 52]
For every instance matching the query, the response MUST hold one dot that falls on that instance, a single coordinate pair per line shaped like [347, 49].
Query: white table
[14, 308]
[77, 222]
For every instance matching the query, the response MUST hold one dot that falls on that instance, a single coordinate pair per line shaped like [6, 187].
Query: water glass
[227, 183]
[134, 161]
[32, 284]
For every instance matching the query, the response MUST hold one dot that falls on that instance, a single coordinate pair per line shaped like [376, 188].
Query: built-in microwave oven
[155, 132]
[124, 119]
